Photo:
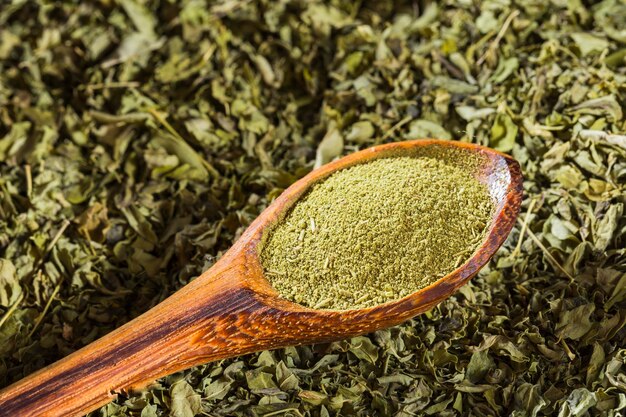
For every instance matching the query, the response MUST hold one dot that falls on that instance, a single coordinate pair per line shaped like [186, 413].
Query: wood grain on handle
[160, 342]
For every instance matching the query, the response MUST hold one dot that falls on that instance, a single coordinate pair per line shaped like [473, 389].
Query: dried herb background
[138, 139]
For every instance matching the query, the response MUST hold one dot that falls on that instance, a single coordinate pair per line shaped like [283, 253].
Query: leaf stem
[518, 248]
[214, 172]
[11, 309]
[45, 309]
[545, 251]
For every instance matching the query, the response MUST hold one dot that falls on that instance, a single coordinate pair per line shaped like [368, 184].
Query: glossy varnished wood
[231, 309]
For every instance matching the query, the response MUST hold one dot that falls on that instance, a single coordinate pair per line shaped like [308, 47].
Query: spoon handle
[197, 324]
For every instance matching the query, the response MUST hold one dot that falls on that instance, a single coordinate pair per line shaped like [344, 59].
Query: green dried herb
[97, 102]
[378, 231]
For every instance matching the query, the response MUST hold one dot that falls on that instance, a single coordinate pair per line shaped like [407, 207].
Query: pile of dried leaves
[138, 139]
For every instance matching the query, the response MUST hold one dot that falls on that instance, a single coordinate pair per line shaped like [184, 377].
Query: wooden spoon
[231, 309]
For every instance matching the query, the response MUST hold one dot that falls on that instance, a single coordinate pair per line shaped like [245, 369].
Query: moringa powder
[376, 232]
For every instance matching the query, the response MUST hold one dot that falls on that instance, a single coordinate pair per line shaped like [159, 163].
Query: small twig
[283, 411]
[214, 172]
[518, 248]
[88, 237]
[56, 237]
[397, 126]
[45, 309]
[29, 180]
[545, 250]
[568, 351]
[499, 36]
[102, 86]
[452, 69]
[165, 123]
[11, 309]
[53, 242]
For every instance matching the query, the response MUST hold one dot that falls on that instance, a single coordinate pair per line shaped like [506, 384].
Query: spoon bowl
[231, 309]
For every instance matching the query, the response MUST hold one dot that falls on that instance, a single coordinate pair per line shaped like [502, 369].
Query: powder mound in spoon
[376, 232]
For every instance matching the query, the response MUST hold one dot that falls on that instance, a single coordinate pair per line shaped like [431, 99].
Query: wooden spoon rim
[398, 310]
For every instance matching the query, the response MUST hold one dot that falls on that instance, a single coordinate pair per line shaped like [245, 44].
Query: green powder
[376, 232]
